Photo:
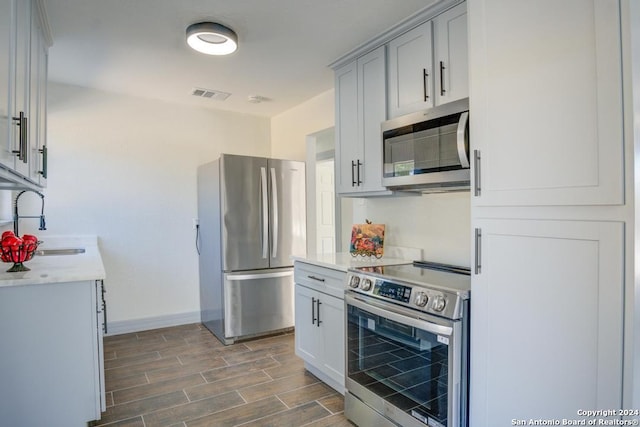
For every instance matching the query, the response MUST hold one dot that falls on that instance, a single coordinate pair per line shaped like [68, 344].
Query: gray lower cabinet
[51, 354]
[319, 322]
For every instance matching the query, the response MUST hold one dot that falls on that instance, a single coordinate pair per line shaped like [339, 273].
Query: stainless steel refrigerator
[252, 220]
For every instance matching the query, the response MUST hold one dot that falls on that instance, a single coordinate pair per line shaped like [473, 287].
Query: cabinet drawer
[320, 278]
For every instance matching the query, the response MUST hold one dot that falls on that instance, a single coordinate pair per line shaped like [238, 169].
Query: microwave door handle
[461, 138]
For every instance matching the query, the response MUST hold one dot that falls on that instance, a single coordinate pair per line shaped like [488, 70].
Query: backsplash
[439, 224]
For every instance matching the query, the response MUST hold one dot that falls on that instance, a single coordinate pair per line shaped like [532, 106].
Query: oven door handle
[394, 313]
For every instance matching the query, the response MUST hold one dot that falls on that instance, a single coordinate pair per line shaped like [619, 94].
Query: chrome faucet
[16, 216]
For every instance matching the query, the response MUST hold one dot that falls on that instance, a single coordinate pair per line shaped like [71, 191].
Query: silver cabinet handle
[265, 213]
[44, 153]
[461, 140]
[274, 195]
[313, 310]
[442, 91]
[425, 77]
[21, 152]
[353, 174]
[478, 254]
[477, 190]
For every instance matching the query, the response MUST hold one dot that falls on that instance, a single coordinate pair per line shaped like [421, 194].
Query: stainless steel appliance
[428, 151]
[407, 345]
[251, 214]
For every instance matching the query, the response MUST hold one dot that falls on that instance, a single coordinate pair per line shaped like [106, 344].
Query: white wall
[124, 168]
[436, 223]
[290, 129]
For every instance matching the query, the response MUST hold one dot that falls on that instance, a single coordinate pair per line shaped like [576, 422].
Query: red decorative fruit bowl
[17, 250]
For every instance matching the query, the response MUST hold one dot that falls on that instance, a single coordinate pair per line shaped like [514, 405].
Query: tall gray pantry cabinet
[551, 222]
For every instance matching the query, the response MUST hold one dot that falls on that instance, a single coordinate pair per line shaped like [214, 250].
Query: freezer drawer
[258, 302]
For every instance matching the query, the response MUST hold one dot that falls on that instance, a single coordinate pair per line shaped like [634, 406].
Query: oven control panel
[409, 295]
[392, 291]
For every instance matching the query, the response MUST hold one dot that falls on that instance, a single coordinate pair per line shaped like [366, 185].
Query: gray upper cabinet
[548, 124]
[411, 71]
[391, 75]
[24, 43]
[360, 108]
[38, 103]
[7, 25]
[428, 65]
[451, 59]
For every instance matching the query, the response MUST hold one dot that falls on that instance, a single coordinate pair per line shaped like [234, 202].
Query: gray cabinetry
[428, 64]
[319, 306]
[24, 42]
[51, 354]
[360, 108]
[552, 259]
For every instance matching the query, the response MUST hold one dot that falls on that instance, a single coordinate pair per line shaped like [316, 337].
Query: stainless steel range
[407, 345]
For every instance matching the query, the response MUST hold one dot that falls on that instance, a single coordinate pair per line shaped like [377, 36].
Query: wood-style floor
[183, 376]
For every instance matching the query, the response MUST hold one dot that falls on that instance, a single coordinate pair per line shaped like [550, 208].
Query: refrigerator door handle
[274, 195]
[259, 275]
[265, 212]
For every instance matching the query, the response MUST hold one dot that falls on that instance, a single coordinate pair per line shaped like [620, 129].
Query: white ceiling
[138, 47]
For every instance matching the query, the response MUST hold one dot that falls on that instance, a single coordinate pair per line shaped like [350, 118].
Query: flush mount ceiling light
[212, 38]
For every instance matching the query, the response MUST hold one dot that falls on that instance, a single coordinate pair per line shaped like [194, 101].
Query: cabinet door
[36, 95]
[7, 27]
[332, 325]
[347, 146]
[546, 102]
[451, 62]
[49, 352]
[308, 338]
[546, 320]
[21, 83]
[100, 393]
[411, 71]
[371, 112]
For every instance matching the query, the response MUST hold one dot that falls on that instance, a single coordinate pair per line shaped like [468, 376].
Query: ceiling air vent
[210, 94]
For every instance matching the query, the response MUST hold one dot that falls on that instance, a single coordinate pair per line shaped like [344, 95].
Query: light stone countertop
[58, 268]
[343, 261]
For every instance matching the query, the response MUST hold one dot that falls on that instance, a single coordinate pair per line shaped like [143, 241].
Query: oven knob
[421, 299]
[438, 303]
[365, 285]
[354, 282]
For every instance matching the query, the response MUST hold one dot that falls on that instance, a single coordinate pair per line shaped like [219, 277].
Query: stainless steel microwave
[428, 151]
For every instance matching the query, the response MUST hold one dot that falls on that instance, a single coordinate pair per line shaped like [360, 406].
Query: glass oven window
[404, 365]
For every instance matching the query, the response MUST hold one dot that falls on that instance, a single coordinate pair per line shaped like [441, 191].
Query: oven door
[405, 365]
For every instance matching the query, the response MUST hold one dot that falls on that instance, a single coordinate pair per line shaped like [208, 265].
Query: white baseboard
[144, 324]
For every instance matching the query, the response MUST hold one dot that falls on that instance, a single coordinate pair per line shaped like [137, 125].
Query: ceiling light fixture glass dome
[211, 38]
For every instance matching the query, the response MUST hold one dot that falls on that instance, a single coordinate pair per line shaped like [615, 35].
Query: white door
[411, 71]
[546, 320]
[546, 104]
[451, 62]
[332, 325]
[308, 338]
[347, 145]
[325, 208]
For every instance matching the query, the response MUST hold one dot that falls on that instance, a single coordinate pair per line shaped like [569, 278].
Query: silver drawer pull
[319, 279]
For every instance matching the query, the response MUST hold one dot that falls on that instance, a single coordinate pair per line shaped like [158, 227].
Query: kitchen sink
[65, 251]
